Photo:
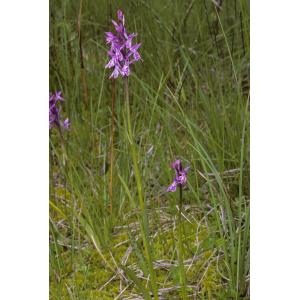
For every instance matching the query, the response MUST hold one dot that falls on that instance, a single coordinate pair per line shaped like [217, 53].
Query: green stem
[52, 160]
[180, 248]
[65, 166]
[82, 69]
[112, 145]
[239, 264]
[143, 220]
[64, 156]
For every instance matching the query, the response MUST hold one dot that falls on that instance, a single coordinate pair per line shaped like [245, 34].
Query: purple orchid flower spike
[122, 53]
[54, 111]
[181, 176]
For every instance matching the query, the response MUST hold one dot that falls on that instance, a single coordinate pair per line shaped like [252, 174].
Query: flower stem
[143, 219]
[112, 145]
[180, 248]
[51, 164]
[82, 69]
[64, 156]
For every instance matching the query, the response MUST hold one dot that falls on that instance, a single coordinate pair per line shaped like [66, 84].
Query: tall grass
[188, 99]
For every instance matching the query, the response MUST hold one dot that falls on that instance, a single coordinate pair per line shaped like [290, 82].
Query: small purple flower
[122, 53]
[54, 111]
[66, 124]
[172, 187]
[58, 96]
[181, 176]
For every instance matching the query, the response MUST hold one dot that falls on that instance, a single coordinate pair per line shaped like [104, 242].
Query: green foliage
[189, 99]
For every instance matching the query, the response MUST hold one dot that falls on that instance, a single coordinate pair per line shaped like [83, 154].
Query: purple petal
[125, 33]
[119, 28]
[121, 16]
[125, 70]
[129, 40]
[186, 170]
[110, 64]
[58, 96]
[177, 165]
[111, 52]
[110, 37]
[66, 123]
[136, 56]
[118, 55]
[172, 187]
[115, 73]
[181, 179]
[135, 47]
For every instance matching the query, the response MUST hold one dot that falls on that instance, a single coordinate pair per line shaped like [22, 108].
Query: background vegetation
[189, 99]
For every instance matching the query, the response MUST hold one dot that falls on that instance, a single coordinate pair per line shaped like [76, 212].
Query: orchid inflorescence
[54, 111]
[181, 176]
[122, 53]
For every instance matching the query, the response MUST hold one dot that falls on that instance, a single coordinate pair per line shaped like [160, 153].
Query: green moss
[87, 272]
